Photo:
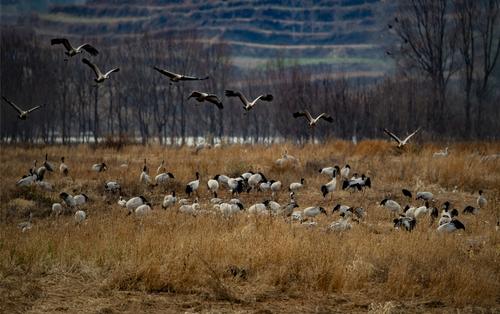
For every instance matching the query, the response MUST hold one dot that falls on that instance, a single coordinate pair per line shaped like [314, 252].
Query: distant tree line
[446, 80]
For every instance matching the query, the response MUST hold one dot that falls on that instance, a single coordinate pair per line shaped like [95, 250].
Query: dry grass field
[171, 262]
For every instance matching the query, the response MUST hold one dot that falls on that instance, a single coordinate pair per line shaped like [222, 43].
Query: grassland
[170, 262]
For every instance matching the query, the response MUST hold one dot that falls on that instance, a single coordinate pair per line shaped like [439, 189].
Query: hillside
[343, 33]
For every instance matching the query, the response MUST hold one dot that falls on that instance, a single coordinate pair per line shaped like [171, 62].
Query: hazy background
[362, 61]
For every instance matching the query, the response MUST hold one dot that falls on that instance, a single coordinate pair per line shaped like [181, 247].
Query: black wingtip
[345, 184]
[406, 193]
[229, 93]
[324, 190]
[268, 97]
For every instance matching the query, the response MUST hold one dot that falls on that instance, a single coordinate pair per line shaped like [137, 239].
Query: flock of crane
[246, 182]
[258, 184]
[100, 77]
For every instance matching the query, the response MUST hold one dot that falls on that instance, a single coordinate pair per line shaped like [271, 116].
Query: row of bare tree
[446, 66]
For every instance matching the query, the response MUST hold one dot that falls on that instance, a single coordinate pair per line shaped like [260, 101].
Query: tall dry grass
[172, 252]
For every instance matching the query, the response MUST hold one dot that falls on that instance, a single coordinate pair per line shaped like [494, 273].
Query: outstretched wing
[167, 73]
[266, 97]
[325, 117]
[63, 41]
[193, 78]
[93, 67]
[195, 94]
[304, 113]
[230, 93]
[35, 108]
[392, 135]
[111, 71]
[90, 49]
[409, 136]
[214, 100]
[13, 105]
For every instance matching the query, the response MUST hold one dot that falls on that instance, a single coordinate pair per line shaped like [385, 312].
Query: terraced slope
[341, 32]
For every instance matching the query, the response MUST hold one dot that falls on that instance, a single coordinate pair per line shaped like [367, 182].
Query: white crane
[401, 143]
[100, 77]
[248, 105]
[22, 114]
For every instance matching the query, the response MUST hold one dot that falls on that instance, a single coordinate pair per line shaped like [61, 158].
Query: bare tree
[427, 43]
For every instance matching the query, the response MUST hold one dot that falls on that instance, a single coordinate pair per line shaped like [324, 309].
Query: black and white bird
[174, 77]
[222, 179]
[68, 199]
[481, 200]
[169, 200]
[145, 178]
[422, 210]
[28, 179]
[329, 170]
[135, 202]
[235, 185]
[288, 209]
[163, 178]
[229, 209]
[342, 224]
[248, 105]
[63, 168]
[407, 193]
[201, 97]
[273, 206]
[112, 186]
[425, 196]
[99, 76]
[122, 202]
[295, 186]
[400, 142]
[80, 199]
[193, 185]
[357, 183]
[344, 172]
[72, 51]
[391, 205]
[312, 121]
[408, 223]
[213, 186]
[47, 164]
[255, 179]
[451, 226]
[99, 167]
[470, 210]
[330, 186]
[342, 209]
[445, 218]
[313, 211]
[22, 114]
[359, 212]
[265, 186]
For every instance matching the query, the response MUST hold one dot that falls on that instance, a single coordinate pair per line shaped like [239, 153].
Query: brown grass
[176, 254]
